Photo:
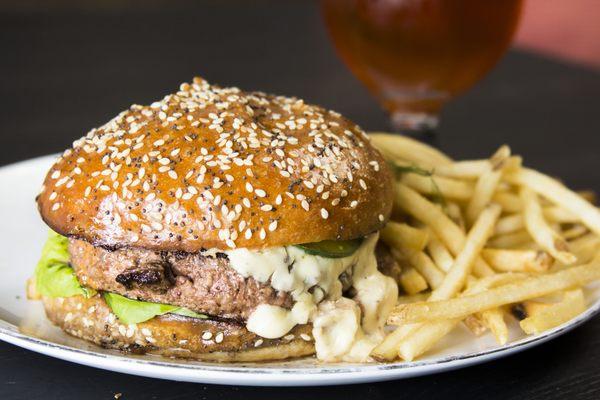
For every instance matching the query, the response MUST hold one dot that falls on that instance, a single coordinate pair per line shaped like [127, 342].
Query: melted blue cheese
[344, 329]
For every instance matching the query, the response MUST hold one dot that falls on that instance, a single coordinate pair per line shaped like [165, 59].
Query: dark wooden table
[67, 69]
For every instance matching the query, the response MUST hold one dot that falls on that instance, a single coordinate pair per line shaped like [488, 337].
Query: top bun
[211, 167]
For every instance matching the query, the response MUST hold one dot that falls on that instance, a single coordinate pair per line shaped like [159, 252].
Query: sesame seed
[219, 337]
[305, 205]
[273, 226]
[133, 154]
[130, 332]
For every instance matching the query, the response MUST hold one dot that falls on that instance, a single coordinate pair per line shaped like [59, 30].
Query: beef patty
[201, 283]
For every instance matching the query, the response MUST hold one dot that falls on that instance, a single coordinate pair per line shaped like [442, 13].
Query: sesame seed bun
[211, 167]
[173, 336]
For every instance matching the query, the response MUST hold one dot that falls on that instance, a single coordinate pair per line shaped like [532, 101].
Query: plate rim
[231, 374]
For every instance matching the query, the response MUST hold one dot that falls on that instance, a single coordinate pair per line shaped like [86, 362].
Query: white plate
[23, 323]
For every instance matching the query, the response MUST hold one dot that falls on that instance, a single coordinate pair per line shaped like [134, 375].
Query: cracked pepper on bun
[218, 224]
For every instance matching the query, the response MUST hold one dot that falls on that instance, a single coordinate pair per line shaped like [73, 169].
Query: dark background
[71, 66]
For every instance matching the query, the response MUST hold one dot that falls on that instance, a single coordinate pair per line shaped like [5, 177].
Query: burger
[222, 225]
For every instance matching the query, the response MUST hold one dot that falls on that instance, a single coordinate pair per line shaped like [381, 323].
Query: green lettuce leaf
[135, 311]
[54, 277]
[186, 312]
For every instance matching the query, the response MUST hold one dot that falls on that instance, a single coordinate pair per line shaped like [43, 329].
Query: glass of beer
[415, 55]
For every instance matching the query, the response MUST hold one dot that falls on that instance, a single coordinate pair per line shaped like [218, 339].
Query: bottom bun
[172, 335]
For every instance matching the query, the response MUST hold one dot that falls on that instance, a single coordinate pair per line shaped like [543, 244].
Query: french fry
[469, 170]
[572, 304]
[423, 264]
[517, 260]
[514, 222]
[574, 232]
[588, 195]
[585, 247]
[444, 260]
[511, 240]
[387, 350]
[477, 237]
[559, 195]
[432, 216]
[560, 215]
[423, 338]
[466, 170]
[527, 264]
[480, 267]
[412, 298]
[438, 252]
[540, 231]
[510, 202]
[430, 185]
[494, 280]
[494, 320]
[487, 184]
[402, 148]
[454, 212]
[460, 307]
[532, 307]
[404, 237]
[475, 325]
[411, 281]
[452, 283]
[509, 224]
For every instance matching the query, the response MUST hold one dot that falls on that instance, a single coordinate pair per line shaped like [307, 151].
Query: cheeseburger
[218, 224]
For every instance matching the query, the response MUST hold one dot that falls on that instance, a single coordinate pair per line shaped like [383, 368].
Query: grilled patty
[201, 283]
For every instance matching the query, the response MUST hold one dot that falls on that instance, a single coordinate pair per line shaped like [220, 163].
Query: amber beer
[414, 55]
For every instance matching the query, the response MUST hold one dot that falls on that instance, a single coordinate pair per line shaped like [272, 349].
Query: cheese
[376, 295]
[344, 329]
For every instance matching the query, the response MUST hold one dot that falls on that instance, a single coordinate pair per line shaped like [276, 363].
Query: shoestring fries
[479, 238]
[525, 289]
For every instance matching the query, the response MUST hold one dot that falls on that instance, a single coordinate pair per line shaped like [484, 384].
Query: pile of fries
[481, 241]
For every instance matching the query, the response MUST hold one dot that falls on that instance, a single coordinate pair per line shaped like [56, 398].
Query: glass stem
[419, 125]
